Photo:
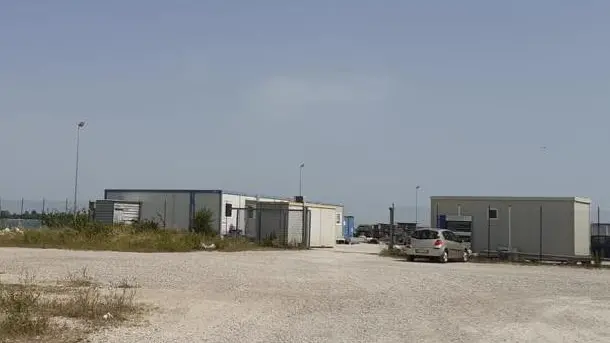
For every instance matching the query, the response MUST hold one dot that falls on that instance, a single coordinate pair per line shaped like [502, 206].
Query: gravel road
[346, 294]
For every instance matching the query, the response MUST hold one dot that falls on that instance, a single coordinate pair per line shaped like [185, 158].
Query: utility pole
[416, 203]
[392, 227]
[488, 231]
[79, 126]
[540, 257]
[301, 166]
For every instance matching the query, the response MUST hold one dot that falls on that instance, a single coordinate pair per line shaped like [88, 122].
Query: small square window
[338, 218]
[493, 213]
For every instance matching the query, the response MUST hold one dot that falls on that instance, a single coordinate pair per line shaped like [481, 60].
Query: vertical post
[598, 221]
[258, 215]
[392, 227]
[540, 251]
[600, 252]
[164, 212]
[488, 231]
[306, 225]
[22, 207]
[173, 223]
[66, 205]
[436, 217]
[238, 228]
[301, 166]
[416, 204]
[79, 126]
[510, 242]
[43, 205]
[76, 170]
[0, 207]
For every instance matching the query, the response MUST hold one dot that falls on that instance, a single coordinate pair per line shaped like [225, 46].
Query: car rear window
[425, 234]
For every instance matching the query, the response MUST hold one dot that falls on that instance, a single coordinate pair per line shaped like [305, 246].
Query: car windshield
[425, 234]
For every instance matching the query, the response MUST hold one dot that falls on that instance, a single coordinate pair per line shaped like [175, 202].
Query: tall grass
[125, 238]
[19, 306]
[111, 238]
[67, 231]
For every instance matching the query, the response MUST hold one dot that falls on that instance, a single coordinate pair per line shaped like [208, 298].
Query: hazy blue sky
[374, 96]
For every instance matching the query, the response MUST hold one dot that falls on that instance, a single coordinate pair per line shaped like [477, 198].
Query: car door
[452, 244]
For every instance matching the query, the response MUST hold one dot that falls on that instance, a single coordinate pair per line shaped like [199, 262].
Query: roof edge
[280, 198]
[583, 200]
[211, 191]
[162, 190]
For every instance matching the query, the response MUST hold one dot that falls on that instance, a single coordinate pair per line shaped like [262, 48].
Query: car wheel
[410, 258]
[465, 256]
[444, 258]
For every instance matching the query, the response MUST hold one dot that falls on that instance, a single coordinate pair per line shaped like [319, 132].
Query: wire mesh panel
[6, 223]
[280, 226]
[26, 208]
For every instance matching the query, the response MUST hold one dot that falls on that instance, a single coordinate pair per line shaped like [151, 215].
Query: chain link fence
[27, 214]
[277, 226]
[600, 232]
[24, 207]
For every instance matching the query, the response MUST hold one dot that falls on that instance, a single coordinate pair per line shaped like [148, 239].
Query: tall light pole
[416, 203]
[301, 178]
[79, 126]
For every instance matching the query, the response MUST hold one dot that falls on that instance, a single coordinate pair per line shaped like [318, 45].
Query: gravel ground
[346, 294]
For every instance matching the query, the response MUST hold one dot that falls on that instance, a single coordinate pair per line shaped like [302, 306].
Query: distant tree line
[33, 214]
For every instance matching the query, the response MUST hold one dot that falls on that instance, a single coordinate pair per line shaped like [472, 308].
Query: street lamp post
[79, 126]
[301, 179]
[416, 203]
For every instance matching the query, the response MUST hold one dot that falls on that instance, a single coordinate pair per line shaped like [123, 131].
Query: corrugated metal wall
[104, 211]
[295, 225]
[116, 212]
[170, 209]
[126, 213]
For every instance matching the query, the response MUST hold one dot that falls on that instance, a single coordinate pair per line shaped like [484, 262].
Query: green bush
[203, 223]
[60, 220]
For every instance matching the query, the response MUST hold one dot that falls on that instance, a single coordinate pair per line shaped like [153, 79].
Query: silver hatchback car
[439, 244]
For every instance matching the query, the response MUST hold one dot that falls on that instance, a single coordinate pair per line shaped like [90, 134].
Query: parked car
[439, 244]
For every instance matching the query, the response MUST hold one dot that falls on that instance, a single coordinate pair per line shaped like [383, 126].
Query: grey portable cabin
[533, 225]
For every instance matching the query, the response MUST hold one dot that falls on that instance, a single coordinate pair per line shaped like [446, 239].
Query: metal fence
[24, 206]
[533, 229]
[600, 232]
[8, 223]
[280, 226]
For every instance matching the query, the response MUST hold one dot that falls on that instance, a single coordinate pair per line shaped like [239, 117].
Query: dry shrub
[20, 310]
[93, 303]
[29, 311]
[80, 279]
